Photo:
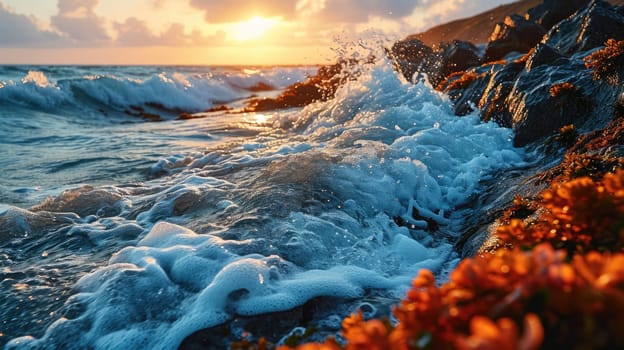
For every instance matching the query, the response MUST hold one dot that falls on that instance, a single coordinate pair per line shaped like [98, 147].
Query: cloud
[20, 31]
[135, 32]
[220, 11]
[96, 23]
[349, 11]
[77, 19]
[357, 11]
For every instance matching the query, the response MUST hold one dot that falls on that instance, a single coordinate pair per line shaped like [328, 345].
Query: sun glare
[252, 29]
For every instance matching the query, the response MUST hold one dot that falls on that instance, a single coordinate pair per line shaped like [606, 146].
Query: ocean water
[120, 232]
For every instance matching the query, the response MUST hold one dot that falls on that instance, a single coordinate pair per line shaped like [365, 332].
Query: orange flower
[501, 335]
[580, 215]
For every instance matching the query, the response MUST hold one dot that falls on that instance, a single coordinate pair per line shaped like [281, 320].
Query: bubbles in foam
[351, 198]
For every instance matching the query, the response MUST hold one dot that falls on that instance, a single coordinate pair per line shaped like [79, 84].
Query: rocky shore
[561, 92]
[554, 75]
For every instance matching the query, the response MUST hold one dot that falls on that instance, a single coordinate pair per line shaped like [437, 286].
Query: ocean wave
[334, 200]
[128, 89]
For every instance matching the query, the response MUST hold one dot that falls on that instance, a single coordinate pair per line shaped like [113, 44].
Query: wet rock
[549, 88]
[486, 88]
[516, 34]
[319, 87]
[543, 54]
[551, 12]
[493, 102]
[261, 86]
[538, 110]
[466, 89]
[458, 56]
[412, 55]
[588, 29]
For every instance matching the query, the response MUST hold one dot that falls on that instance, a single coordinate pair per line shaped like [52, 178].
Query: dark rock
[219, 108]
[539, 109]
[588, 29]
[261, 86]
[319, 87]
[412, 55]
[546, 89]
[485, 87]
[551, 12]
[493, 103]
[458, 56]
[465, 90]
[543, 54]
[516, 34]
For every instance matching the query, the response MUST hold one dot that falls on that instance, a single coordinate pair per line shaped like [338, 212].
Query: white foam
[320, 199]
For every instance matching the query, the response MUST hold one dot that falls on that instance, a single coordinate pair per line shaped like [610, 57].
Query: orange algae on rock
[607, 61]
[579, 215]
[511, 299]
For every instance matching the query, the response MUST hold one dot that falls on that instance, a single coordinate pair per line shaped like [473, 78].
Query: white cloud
[18, 30]
[95, 23]
[77, 19]
[358, 11]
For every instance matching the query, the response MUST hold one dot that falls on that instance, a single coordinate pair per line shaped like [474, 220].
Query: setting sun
[252, 28]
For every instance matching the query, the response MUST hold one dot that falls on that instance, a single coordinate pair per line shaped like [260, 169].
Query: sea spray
[334, 200]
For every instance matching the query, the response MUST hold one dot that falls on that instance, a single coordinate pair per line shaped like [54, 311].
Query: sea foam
[337, 199]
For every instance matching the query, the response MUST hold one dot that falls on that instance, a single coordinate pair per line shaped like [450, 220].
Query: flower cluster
[578, 215]
[507, 300]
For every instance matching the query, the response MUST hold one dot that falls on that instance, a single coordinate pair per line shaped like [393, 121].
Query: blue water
[120, 232]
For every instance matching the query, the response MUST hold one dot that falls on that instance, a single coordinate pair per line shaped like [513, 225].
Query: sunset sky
[209, 31]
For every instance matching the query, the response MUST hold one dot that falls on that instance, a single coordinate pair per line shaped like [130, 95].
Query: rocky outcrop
[457, 57]
[590, 28]
[551, 12]
[551, 86]
[477, 28]
[516, 34]
[412, 56]
[320, 87]
[563, 97]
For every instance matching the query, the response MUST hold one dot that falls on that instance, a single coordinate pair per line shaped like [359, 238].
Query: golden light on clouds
[208, 31]
[253, 28]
